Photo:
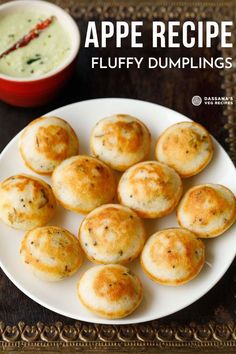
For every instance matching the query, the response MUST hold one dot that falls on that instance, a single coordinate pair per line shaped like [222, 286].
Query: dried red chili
[34, 33]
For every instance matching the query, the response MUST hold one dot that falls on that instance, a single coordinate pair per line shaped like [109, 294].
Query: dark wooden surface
[172, 88]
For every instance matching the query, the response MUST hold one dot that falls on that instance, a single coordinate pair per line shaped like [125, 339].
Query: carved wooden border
[84, 336]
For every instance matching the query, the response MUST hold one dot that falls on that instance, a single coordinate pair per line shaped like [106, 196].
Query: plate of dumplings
[116, 211]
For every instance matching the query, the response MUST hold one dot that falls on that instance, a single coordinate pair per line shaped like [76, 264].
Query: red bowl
[34, 93]
[30, 92]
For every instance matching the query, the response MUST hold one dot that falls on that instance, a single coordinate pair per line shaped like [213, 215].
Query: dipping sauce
[42, 54]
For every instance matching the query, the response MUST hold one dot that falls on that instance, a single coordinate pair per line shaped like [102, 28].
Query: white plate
[158, 300]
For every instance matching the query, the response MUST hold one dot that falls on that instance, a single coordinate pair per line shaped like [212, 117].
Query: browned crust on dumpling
[156, 184]
[53, 243]
[112, 234]
[173, 251]
[184, 147]
[126, 137]
[194, 205]
[26, 200]
[115, 284]
[53, 142]
[88, 179]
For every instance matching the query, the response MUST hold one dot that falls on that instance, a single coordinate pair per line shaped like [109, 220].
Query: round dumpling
[26, 202]
[185, 146]
[120, 141]
[208, 210]
[173, 256]
[150, 188]
[51, 253]
[82, 183]
[47, 141]
[110, 291]
[112, 233]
